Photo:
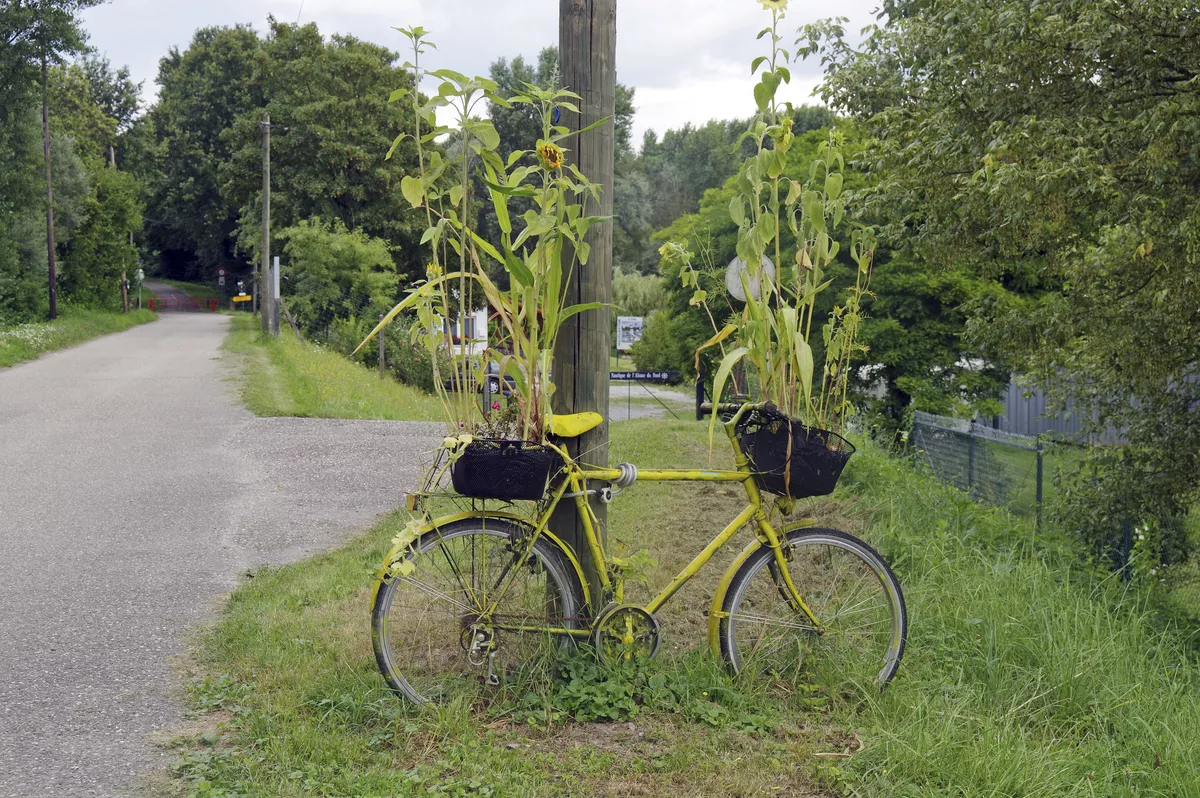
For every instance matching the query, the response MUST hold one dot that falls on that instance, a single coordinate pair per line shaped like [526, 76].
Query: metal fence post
[971, 463]
[1040, 471]
[1126, 550]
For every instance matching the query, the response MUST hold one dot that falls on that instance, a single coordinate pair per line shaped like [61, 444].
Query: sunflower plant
[538, 249]
[770, 335]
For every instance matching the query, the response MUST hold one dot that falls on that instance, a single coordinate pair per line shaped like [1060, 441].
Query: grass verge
[289, 378]
[1025, 675]
[73, 326]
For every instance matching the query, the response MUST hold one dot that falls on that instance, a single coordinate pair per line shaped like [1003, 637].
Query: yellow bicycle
[477, 600]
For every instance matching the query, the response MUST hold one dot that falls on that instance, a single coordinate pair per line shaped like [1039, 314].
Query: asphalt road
[134, 490]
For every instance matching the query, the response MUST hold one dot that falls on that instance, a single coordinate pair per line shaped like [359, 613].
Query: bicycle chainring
[622, 632]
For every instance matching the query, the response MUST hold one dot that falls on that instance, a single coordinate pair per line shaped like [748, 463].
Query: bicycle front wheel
[849, 589]
[469, 614]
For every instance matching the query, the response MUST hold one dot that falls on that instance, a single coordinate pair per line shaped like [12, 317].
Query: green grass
[73, 326]
[190, 289]
[288, 378]
[1026, 675]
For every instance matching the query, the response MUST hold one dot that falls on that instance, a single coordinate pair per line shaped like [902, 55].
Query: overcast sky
[688, 59]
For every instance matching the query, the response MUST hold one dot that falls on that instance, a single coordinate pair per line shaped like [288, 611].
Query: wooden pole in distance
[587, 66]
[260, 275]
[51, 256]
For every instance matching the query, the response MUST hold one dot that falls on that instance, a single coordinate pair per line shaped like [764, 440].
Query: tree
[332, 127]
[203, 90]
[100, 251]
[37, 34]
[340, 280]
[1051, 146]
[113, 90]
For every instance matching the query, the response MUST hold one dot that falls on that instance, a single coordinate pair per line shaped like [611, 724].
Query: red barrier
[163, 303]
[190, 303]
[196, 303]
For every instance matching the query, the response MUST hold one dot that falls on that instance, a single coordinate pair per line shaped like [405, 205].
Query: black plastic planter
[510, 470]
[790, 459]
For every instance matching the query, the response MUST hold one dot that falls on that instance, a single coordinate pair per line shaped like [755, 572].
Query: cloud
[688, 59]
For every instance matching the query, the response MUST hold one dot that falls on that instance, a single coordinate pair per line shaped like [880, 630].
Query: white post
[275, 297]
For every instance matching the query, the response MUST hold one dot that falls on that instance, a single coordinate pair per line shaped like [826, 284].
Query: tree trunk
[51, 259]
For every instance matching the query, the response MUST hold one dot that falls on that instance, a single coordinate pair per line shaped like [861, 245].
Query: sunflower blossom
[774, 5]
[551, 155]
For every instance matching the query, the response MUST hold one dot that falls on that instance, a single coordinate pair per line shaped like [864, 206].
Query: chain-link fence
[994, 467]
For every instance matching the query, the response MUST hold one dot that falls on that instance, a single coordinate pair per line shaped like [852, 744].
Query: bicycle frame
[576, 483]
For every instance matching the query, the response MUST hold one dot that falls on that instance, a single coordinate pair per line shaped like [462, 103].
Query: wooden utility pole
[587, 66]
[51, 258]
[260, 275]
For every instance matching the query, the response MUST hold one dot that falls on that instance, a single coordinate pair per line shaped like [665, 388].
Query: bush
[341, 280]
[409, 361]
[669, 343]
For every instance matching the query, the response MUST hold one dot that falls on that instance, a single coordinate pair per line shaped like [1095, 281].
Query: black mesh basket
[503, 469]
[790, 459]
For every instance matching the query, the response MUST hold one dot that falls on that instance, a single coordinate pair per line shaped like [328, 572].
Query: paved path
[133, 492]
[630, 400]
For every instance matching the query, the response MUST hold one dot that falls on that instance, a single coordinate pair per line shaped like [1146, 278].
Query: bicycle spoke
[856, 643]
[436, 645]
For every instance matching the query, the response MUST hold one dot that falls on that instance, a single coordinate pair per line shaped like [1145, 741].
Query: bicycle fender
[715, 612]
[398, 549]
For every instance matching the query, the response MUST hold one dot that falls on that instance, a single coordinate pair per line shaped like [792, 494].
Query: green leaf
[456, 195]
[793, 192]
[518, 269]
[583, 251]
[833, 185]
[737, 211]
[396, 142]
[398, 94]
[501, 205]
[573, 309]
[592, 126]
[756, 63]
[413, 190]
[450, 74]
[723, 372]
[486, 133]
[486, 247]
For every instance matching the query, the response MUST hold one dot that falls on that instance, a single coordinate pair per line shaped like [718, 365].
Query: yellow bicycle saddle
[574, 425]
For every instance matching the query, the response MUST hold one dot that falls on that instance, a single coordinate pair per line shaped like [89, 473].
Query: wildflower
[774, 5]
[552, 156]
[495, 405]
[433, 270]
[1153, 571]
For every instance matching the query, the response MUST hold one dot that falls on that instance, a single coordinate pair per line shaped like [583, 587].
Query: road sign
[221, 272]
[629, 331]
[139, 275]
[221, 280]
[643, 376]
[242, 298]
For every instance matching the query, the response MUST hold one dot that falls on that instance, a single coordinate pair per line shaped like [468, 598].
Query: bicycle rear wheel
[852, 593]
[436, 640]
